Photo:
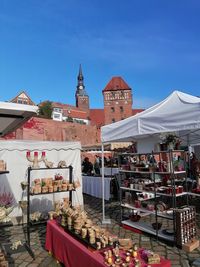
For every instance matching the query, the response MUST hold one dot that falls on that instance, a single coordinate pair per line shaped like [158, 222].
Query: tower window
[121, 109]
[112, 109]
[113, 120]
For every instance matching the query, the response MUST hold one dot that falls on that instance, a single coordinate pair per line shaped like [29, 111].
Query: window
[56, 116]
[121, 109]
[113, 120]
[112, 109]
[21, 100]
[57, 110]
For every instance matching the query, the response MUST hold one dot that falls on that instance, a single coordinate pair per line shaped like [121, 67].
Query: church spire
[82, 98]
[80, 74]
[80, 89]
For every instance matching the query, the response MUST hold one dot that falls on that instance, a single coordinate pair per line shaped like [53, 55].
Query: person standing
[87, 166]
[97, 165]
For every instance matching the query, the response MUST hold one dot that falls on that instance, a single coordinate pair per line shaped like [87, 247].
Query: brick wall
[117, 109]
[49, 130]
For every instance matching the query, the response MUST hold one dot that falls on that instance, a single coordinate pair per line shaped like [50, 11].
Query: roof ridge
[116, 83]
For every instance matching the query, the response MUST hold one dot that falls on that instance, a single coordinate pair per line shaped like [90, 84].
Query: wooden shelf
[54, 168]
[39, 222]
[194, 194]
[156, 172]
[48, 193]
[130, 171]
[167, 151]
[152, 192]
[159, 214]
[148, 198]
[6, 224]
[156, 179]
[147, 228]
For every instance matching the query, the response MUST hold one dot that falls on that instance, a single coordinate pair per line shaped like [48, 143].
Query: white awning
[179, 113]
[14, 115]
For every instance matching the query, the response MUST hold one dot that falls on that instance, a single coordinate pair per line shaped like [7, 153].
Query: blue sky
[153, 44]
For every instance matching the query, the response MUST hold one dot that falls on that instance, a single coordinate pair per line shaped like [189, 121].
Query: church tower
[117, 100]
[82, 98]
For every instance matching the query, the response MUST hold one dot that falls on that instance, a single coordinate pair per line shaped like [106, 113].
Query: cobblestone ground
[94, 208]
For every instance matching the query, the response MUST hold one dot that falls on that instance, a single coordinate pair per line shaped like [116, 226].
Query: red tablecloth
[72, 253]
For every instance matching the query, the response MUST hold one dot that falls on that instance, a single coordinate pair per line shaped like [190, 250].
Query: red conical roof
[116, 83]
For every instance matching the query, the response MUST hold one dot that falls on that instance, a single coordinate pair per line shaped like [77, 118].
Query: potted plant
[170, 139]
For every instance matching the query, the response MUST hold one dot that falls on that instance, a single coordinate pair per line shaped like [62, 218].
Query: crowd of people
[90, 168]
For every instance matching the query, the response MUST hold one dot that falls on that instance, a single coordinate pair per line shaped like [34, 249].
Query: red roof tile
[78, 114]
[116, 83]
[135, 111]
[64, 106]
[97, 117]
[72, 111]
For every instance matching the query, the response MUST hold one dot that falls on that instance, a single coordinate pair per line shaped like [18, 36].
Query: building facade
[79, 122]
[22, 98]
[80, 112]
[82, 98]
[117, 100]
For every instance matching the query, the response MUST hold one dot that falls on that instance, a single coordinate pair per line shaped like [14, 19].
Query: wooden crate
[191, 245]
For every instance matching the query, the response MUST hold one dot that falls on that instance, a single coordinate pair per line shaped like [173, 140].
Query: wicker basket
[2, 165]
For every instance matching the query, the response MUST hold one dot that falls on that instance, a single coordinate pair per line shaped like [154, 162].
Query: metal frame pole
[104, 220]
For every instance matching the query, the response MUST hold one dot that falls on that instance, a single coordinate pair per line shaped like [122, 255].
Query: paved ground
[93, 207]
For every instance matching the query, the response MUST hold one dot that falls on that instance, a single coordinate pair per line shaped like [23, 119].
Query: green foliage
[69, 119]
[79, 121]
[45, 109]
[171, 138]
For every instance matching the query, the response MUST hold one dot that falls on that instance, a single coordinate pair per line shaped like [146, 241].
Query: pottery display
[4, 212]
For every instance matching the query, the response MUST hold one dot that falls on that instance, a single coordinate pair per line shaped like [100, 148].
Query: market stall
[92, 186]
[179, 113]
[17, 154]
[73, 253]
[177, 116]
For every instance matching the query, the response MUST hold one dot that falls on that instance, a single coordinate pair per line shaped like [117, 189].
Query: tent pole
[104, 220]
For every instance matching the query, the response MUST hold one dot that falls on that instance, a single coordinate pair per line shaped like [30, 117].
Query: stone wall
[49, 130]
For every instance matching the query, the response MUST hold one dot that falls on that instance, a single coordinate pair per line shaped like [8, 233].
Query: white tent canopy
[13, 152]
[13, 115]
[179, 113]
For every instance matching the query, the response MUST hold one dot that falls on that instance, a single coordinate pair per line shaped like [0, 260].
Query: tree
[69, 119]
[45, 109]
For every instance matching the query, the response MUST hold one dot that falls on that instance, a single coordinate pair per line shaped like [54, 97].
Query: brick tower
[117, 100]
[82, 98]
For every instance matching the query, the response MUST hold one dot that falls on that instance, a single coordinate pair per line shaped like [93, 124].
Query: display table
[92, 185]
[72, 253]
[68, 250]
[109, 171]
